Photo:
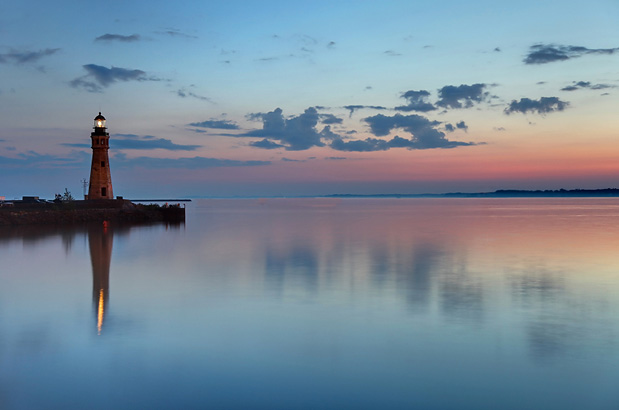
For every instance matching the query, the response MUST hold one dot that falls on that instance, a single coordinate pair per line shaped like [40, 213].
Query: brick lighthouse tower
[100, 177]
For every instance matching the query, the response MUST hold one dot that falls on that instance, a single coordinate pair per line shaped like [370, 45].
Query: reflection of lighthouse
[100, 242]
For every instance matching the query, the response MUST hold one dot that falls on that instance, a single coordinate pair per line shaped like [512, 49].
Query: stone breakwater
[79, 212]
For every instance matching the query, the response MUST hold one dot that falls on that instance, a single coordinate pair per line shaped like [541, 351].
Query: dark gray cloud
[329, 119]
[216, 124]
[381, 125]
[544, 105]
[106, 76]
[99, 77]
[417, 101]
[294, 133]
[25, 56]
[353, 108]
[460, 126]
[549, 53]
[578, 85]
[424, 134]
[118, 37]
[461, 96]
[266, 144]
[301, 133]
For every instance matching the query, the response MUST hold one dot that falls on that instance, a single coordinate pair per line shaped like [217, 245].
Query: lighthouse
[100, 176]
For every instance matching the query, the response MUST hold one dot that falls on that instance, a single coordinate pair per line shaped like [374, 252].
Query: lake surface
[318, 303]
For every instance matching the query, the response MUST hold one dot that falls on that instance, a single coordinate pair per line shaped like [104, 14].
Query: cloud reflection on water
[460, 265]
[405, 297]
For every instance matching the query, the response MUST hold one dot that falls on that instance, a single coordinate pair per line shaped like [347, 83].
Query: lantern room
[99, 121]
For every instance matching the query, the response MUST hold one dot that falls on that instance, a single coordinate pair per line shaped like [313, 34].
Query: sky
[285, 98]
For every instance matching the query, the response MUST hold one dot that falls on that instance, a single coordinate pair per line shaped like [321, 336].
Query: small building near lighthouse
[100, 176]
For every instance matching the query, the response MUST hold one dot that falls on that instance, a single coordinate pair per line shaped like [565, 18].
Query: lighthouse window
[103, 191]
[102, 164]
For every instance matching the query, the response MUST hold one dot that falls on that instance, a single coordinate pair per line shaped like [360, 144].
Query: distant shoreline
[502, 193]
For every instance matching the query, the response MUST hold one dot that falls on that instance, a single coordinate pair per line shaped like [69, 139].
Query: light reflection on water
[318, 303]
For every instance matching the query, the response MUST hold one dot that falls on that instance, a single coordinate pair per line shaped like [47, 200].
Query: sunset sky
[267, 98]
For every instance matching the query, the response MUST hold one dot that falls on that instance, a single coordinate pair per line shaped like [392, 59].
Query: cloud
[382, 125]
[353, 108]
[25, 56]
[295, 133]
[376, 144]
[417, 101]
[367, 145]
[578, 85]
[32, 160]
[329, 119]
[216, 124]
[149, 142]
[146, 142]
[172, 32]
[462, 96]
[460, 126]
[99, 77]
[120, 161]
[292, 160]
[424, 134]
[118, 37]
[266, 144]
[183, 94]
[301, 133]
[542, 106]
[549, 53]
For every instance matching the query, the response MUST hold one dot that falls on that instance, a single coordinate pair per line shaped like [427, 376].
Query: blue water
[318, 303]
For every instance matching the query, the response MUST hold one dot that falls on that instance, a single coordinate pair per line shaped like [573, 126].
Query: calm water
[318, 303]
